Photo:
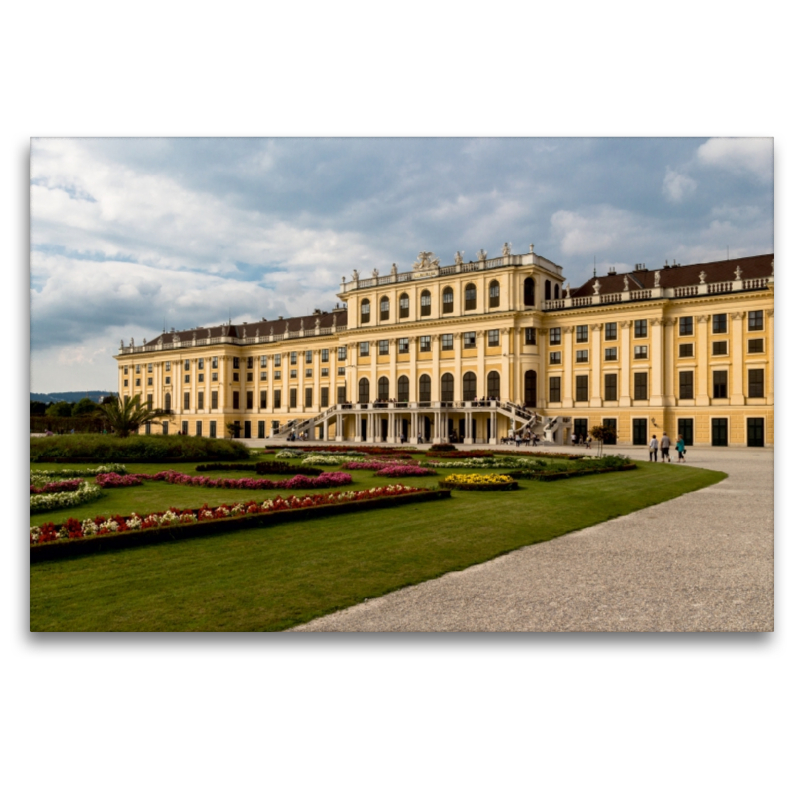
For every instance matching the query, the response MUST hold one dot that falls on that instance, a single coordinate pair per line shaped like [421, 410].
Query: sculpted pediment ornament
[426, 260]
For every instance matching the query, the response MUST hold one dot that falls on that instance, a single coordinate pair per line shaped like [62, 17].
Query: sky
[129, 236]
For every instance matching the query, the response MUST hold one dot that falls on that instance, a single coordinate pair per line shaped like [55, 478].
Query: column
[657, 362]
[393, 368]
[480, 371]
[596, 361]
[519, 386]
[223, 390]
[468, 428]
[317, 383]
[625, 365]
[458, 341]
[301, 377]
[373, 371]
[285, 367]
[567, 396]
[702, 360]
[505, 388]
[668, 346]
[770, 351]
[413, 378]
[737, 357]
[436, 385]
[543, 377]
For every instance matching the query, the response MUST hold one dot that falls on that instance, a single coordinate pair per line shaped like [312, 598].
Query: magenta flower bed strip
[69, 548]
[327, 480]
[404, 471]
[57, 486]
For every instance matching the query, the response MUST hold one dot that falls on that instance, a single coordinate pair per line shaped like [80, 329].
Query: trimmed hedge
[441, 448]
[282, 468]
[83, 448]
[70, 548]
[575, 473]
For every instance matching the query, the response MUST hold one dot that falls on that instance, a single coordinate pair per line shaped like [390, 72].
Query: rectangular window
[249, 362]
[214, 363]
[610, 354]
[363, 349]
[198, 428]
[186, 365]
[755, 345]
[200, 378]
[582, 388]
[341, 371]
[555, 358]
[167, 380]
[186, 403]
[493, 337]
[582, 356]
[309, 373]
[261, 429]
[185, 427]
[292, 373]
[236, 399]
[720, 382]
[139, 368]
[719, 348]
[262, 398]
[309, 356]
[212, 429]
[685, 350]
[124, 370]
[640, 329]
[686, 326]
[686, 385]
[402, 346]
[555, 390]
[719, 432]
[530, 335]
[447, 341]
[249, 376]
[292, 398]
[341, 353]
[324, 396]
[719, 323]
[262, 363]
[383, 347]
[277, 375]
[292, 358]
[236, 376]
[277, 360]
[168, 365]
[324, 372]
[755, 432]
[755, 320]
[200, 400]
[186, 378]
[555, 335]
[640, 386]
[755, 383]
[263, 376]
[424, 344]
[469, 340]
[611, 331]
[640, 351]
[341, 394]
[150, 366]
[214, 400]
[139, 381]
[309, 397]
[639, 431]
[276, 396]
[581, 333]
[384, 306]
[611, 386]
[125, 382]
[249, 401]
[686, 429]
[325, 355]
[236, 362]
[149, 401]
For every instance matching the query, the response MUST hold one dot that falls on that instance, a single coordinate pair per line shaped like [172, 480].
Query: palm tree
[125, 416]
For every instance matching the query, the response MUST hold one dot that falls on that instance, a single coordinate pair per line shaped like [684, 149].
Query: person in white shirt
[653, 448]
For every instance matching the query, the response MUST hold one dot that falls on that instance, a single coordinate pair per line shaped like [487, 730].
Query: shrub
[279, 468]
[142, 449]
[441, 448]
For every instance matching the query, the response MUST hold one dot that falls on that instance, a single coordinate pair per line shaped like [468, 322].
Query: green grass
[276, 578]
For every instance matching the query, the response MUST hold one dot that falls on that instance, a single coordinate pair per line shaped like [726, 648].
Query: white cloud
[593, 231]
[677, 186]
[744, 155]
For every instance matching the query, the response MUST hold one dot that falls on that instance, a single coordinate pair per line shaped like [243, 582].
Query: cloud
[677, 186]
[752, 156]
[592, 231]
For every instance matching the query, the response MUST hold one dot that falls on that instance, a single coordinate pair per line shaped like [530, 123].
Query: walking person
[653, 448]
[680, 446]
[665, 443]
[574, 439]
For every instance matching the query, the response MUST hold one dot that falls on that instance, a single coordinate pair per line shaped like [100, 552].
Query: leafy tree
[38, 408]
[233, 430]
[60, 409]
[84, 407]
[603, 435]
[125, 417]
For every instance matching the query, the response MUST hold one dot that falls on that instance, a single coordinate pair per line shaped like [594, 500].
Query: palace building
[477, 350]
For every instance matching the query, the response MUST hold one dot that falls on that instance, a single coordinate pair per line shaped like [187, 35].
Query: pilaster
[625, 364]
[737, 356]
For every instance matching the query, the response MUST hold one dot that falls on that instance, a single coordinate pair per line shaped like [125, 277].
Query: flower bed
[397, 452]
[542, 475]
[85, 493]
[461, 454]
[42, 474]
[373, 464]
[404, 471]
[479, 483]
[77, 537]
[57, 486]
[323, 481]
[225, 467]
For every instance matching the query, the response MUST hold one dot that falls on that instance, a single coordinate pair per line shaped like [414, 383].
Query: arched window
[425, 388]
[167, 401]
[363, 391]
[447, 301]
[402, 389]
[529, 292]
[365, 311]
[404, 305]
[470, 297]
[425, 304]
[556, 290]
[383, 388]
[470, 383]
[530, 388]
[448, 385]
[494, 294]
[493, 384]
[384, 309]
[547, 290]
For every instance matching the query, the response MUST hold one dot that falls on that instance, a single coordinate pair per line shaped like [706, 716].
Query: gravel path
[700, 562]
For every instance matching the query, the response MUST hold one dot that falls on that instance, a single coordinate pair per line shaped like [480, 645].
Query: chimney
[612, 270]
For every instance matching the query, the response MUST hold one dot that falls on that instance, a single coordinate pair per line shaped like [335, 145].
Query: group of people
[527, 437]
[297, 437]
[583, 440]
[663, 445]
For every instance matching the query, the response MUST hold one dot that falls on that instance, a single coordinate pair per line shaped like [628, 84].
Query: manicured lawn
[273, 579]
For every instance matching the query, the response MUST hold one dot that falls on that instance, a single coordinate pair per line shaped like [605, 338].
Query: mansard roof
[265, 327]
[688, 275]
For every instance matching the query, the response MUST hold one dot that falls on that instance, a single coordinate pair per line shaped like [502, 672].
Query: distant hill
[69, 397]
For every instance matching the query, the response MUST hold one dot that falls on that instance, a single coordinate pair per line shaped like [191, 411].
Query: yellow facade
[696, 359]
